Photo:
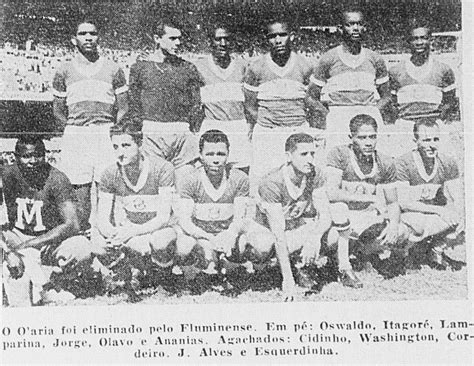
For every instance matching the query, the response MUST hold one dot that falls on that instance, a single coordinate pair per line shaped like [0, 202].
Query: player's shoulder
[273, 177]
[10, 171]
[340, 152]
[111, 64]
[257, 63]
[372, 55]
[405, 160]
[397, 69]
[158, 164]
[441, 66]
[237, 175]
[385, 161]
[447, 159]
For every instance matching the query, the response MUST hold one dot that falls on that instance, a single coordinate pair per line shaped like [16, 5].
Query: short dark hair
[159, 26]
[297, 138]
[343, 12]
[427, 122]
[284, 22]
[86, 21]
[214, 137]
[416, 23]
[129, 126]
[29, 139]
[361, 120]
[211, 33]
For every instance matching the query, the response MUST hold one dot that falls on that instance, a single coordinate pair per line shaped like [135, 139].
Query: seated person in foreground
[134, 203]
[431, 195]
[42, 224]
[294, 206]
[363, 183]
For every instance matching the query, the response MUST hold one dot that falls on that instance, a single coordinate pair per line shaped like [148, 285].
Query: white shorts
[268, 149]
[423, 225]
[237, 132]
[86, 151]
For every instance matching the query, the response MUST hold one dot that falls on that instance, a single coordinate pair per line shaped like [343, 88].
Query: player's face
[126, 149]
[428, 141]
[420, 40]
[279, 38]
[86, 38]
[221, 42]
[214, 157]
[302, 159]
[170, 41]
[353, 27]
[365, 139]
[31, 157]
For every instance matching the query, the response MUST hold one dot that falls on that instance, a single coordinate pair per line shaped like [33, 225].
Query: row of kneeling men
[357, 206]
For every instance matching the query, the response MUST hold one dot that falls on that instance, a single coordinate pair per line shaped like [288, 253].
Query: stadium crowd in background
[177, 207]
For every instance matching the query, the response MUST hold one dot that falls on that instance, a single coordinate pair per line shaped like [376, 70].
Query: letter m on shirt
[25, 214]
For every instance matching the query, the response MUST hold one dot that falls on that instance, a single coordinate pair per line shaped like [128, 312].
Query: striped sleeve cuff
[59, 94]
[251, 87]
[449, 88]
[121, 90]
[318, 82]
[382, 80]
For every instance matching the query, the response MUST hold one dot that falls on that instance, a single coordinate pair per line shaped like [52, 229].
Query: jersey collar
[141, 179]
[355, 164]
[419, 72]
[85, 67]
[214, 193]
[219, 71]
[294, 191]
[281, 70]
[420, 167]
[353, 61]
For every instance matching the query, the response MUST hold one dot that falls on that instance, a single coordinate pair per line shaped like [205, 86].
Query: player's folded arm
[322, 205]
[104, 210]
[184, 212]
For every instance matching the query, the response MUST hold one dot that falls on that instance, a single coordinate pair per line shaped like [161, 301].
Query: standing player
[164, 91]
[423, 88]
[86, 91]
[274, 88]
[213, 204]
[222, 96]
[431, 194]
[134, 205]
[350, 79]
[295, 207]
[364, 180]
[42, 222]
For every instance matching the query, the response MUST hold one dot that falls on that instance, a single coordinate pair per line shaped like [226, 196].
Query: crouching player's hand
[224, 241]
[15, 265]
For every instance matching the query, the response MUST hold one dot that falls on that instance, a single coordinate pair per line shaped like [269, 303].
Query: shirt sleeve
[451, 169]
[243, 187]
[402, 171]
[134, 90]
[107, 181]
[321, 71]
[270, 192]
[186, 187]
[119, 82]
[381, 73]
[389, 174]
[394, 80]
[59, 83]
[319, 178]
[448, 80]
[251, 80]
[62, 188]
[167, 175]
[335, 159]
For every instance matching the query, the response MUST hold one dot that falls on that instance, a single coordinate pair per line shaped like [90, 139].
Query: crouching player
[212, 207]
[431, 195]
[134, 204]
[295, 207]
[42, 224]
[363, 183]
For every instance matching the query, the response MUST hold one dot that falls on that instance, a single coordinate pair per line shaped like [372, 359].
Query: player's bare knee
[162, 238]
[139, 244]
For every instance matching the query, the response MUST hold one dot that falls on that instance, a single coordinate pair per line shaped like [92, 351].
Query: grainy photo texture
[177, 152]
